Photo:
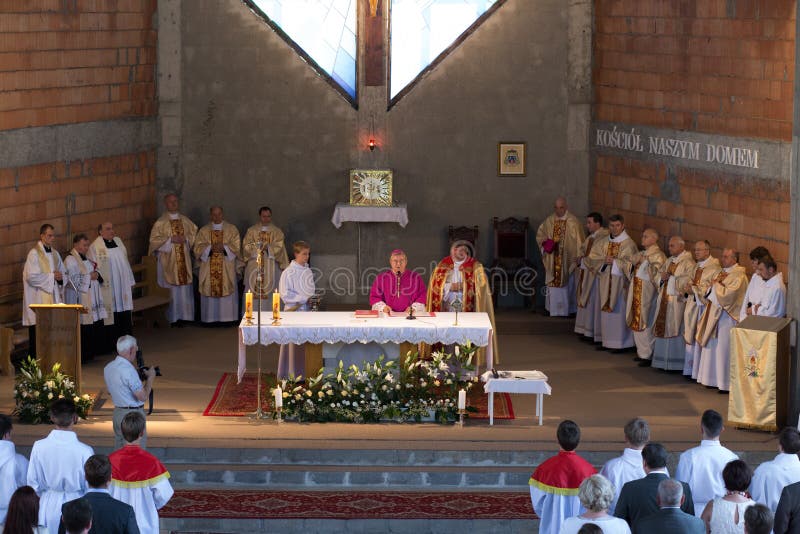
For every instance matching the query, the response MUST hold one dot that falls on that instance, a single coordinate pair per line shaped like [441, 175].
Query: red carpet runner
[236, 400]
[216, 504]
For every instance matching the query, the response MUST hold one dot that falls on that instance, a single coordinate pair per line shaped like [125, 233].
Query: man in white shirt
[772, 301]
[42, 280]
[771, 477]
[13, 466]
[56, 467]
[628, 466]
[701, 467]
[125, 386]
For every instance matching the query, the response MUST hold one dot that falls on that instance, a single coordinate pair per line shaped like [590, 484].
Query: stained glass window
[423, 29]
[324, 29]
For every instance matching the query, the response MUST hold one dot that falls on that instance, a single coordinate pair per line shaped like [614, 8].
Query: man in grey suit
[787, 515]
[109, 516]
[670, 518]
[638, 498]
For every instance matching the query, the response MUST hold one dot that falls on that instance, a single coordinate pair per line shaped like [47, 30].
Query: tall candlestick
[276, 306]
[462, 399]
[248, 304]
[278, 397]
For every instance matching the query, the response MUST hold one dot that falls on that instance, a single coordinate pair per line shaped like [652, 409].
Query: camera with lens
[142, 368]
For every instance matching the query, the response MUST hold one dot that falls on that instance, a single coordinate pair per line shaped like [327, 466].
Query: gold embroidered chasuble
[670, 307]
[586, 277]
[622, 249]
[177, 263]
[643, 292]
[273, 239]
[701, 280]
[217, 276]
[729, 288]
[568, 235]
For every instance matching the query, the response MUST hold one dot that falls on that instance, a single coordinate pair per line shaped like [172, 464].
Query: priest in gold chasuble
[706, 269]
[559, 238]
[461, 279]
[269, 238]
[218, 248]
[725, 299]
[670, 348]
[171, 241]
[612, 260]
[587, 318]
[642, 294]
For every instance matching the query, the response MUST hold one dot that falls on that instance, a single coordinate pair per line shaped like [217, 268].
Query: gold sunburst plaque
[370, 187]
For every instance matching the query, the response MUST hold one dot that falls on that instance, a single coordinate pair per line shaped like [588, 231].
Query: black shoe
[645, 363]
[638, 359]
[600, 347]
[721, 392]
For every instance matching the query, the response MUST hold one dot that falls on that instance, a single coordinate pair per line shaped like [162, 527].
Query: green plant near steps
[36, 390]
[383, 390]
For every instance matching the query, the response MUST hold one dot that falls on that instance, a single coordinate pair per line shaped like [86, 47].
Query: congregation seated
[726, 514]
[596, 494]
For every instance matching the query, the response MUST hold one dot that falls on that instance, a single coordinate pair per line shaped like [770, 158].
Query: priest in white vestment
[217, 247]
[587, 318]
[56, 467]
[669, 352]
[109, 253]
[706, 269]
[722, 313]
[771, 477]
[296, 287]
[629, 466]
[42, 280]
[13, 466]
[267, 237]
[559, 238]
[171, 241]
[756, 284]
[83, 287]
[772, 299]
[612, 261]
[642, 293]
[701, 467]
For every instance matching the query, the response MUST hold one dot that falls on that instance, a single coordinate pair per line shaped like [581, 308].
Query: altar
[322, 332]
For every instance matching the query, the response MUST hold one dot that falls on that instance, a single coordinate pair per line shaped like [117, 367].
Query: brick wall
[68, 61]
[721, 67]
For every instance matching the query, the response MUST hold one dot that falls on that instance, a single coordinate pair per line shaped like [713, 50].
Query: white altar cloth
[344, 212]
[343, 327]
[534, 382]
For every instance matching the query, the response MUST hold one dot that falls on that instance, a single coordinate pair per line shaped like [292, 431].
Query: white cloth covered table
[344, 212]
[517, 382]
[344, 327]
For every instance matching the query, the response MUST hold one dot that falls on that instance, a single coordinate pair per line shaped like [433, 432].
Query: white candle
[462, 399]
[278, 397]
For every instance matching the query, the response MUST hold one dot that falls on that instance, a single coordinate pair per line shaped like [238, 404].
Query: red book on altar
[367, 313]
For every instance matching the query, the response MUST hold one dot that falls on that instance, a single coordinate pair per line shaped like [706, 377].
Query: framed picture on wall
[511, 159]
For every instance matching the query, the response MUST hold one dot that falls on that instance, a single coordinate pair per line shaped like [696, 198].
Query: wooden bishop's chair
[511, 267]
[463, 233]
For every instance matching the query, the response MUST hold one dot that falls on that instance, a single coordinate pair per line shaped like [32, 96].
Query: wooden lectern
[58, 337]
[760, 365]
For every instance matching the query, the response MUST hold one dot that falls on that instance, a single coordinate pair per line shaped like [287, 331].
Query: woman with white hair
[596, 494]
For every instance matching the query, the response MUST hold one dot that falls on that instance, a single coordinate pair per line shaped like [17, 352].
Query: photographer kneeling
[125, 386]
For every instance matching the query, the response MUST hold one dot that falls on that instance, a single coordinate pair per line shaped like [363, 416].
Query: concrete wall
[260, 127]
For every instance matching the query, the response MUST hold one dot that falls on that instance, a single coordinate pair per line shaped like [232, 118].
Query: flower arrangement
[35, 391]
[383, 390]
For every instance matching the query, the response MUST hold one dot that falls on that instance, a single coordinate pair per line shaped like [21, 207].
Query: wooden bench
[148, 296]
[13, 336]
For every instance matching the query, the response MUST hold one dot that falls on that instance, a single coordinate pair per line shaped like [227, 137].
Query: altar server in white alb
[42, 280]
[629, 466]
[83, 287]
[217, 247]
[296, 287]
[771, 477]
[171, 241]
[756, 284]
[701, 467]
[772, 300]
[587, 318]
[109, 253]
[559, 238]
[13, 466]
[56, 467]
[137, 477]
